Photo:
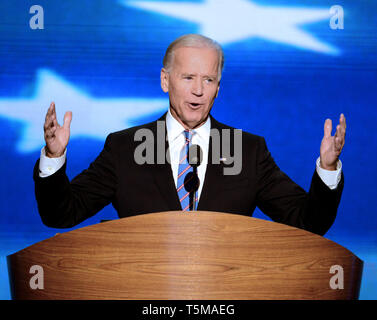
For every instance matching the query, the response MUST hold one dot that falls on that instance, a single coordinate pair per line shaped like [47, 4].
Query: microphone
[192, 182]
[195, 155]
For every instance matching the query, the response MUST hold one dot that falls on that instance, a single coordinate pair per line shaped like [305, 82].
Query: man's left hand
[331, 146]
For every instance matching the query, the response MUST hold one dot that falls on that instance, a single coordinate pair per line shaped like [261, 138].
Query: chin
[193, 122]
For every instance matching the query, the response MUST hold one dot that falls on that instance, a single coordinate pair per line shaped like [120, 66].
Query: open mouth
[194, 105]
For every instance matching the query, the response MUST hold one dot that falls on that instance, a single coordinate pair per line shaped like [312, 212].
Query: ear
[218, 88]
[164, 80]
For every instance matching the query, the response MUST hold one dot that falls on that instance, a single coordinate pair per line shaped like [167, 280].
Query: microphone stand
[196, 178]
[195, 156]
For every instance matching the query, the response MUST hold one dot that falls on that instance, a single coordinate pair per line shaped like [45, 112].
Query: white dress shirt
[176, 138]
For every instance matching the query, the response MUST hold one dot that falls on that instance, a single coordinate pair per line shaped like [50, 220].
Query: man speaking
[191, 74]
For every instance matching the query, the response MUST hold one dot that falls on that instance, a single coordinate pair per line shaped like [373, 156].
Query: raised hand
[331, 146]
[56, 136]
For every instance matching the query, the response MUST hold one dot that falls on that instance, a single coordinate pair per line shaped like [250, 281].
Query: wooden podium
[176, 255]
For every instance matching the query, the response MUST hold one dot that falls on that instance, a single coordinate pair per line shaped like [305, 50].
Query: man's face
[192, 84]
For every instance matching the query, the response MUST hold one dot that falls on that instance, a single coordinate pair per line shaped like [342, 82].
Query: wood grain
[175, 255]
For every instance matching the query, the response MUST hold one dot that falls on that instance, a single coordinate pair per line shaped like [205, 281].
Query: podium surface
[192, 255]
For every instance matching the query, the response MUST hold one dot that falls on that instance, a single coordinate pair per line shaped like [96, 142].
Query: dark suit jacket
[114, 177]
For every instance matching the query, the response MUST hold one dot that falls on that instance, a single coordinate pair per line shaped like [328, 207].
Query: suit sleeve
[286, 202]
[64, 204]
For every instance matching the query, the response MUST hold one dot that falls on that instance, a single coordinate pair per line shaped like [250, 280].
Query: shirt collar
[175, 129]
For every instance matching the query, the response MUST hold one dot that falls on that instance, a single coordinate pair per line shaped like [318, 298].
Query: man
[191, 75]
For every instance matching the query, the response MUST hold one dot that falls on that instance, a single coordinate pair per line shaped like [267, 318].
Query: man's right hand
[56, 136]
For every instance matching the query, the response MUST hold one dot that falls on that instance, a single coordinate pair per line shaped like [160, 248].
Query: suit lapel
[162, 172]
[214, 172]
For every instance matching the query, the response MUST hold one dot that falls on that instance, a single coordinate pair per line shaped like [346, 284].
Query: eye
[187, 77]
[209, 80]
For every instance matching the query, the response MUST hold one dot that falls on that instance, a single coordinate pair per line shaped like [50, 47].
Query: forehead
[196, 60]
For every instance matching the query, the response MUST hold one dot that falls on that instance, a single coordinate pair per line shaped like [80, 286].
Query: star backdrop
[286, 71]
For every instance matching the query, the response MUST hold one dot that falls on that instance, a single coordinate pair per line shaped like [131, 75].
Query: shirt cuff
[48, 166]
[330, 177]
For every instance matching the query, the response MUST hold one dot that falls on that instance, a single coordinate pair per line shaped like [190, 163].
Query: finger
[51, 116]
[49, 123]
[340, 131]
[49, 112]
[342, 122]
[339, 138]
[338, 144]
[342, 118]
[327, 128]
[50, 130]
[54, 120]
[67, 119]
[52, 110]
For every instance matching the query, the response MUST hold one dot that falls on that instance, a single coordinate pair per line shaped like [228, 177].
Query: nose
[197, 87]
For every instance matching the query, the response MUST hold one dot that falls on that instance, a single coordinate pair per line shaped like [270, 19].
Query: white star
[92, 117]
[234, 20]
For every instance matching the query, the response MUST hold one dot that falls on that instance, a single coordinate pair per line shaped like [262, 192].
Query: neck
[188, 126]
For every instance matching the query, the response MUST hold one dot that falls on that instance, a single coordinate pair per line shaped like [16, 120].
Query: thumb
[327, 128]
[67, 119]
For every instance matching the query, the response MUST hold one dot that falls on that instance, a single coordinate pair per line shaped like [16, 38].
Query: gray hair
[195, 41]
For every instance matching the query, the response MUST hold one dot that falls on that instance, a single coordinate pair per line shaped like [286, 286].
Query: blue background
[106, 50]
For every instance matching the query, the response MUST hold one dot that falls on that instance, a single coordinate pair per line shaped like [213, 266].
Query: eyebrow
[194, 75]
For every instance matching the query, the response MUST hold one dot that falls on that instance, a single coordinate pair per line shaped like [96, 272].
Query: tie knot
[188, 135]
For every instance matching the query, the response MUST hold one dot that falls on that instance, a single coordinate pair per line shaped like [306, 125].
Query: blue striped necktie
[183, 170]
